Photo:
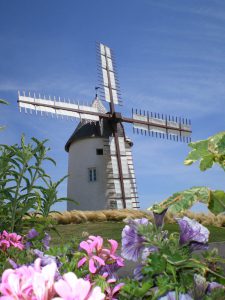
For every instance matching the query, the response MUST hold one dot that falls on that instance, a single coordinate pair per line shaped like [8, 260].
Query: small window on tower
[92, 175]
[99, 151]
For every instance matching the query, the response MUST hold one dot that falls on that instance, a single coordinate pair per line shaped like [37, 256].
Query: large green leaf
[208, 152]
[206, 162]
[216, 144]
[217, 202]
[179, 202]
[200, 149]
[184, 200]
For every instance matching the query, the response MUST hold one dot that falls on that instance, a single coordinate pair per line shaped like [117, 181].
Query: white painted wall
[82, 155]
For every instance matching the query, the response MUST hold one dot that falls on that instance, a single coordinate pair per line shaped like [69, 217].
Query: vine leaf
[208, 152]
[206, 162]
[217, 202]
[184, 200]
[200, 149]
[181, 201]
[216, 144]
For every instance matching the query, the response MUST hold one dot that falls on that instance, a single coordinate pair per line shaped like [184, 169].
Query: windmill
[119, 180]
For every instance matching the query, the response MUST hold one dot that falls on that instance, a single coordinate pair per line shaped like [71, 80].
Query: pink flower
[94, 260]
[10, 239]
[112, 291]
[97, 256]
[111, 253]
[16, 284]
[16, 240]
[72, 288]
[4, 245]
[27, 282]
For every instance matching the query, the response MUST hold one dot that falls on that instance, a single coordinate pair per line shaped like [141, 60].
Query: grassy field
[112, 230]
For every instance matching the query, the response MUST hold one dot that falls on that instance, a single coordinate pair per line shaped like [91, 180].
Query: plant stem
[14, 206]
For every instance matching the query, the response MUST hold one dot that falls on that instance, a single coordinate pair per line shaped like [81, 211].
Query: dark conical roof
[93, 129]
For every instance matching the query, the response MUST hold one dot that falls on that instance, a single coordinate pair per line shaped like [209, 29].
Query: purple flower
[13, 263]
[132, 241]
[138, 273]
[159, 218]
[32, 234]
[47, 259]
[172, 296]
[110, 269]
[214, 285]
[192, 231]
[147, 251]
[194, 246]
[46, 241]
[28, 245]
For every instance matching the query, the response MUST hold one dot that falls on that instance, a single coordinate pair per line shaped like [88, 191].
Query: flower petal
[96, 294]
[81, 262]
[117, 288]
[92, 267]
[63, 289]
[114, 245]
[99, 260]
[84, 245]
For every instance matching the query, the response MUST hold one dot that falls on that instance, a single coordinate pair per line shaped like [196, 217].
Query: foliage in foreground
[169, 267]
[43, 273]
[24, 184]
[207, 152]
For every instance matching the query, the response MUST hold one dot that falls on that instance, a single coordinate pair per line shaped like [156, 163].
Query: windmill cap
[86, 130]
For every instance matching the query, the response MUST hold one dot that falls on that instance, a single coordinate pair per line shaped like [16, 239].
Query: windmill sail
[60, 108]
[167, 126]
[108, 75]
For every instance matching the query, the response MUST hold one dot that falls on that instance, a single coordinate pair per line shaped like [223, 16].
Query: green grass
[112, 230]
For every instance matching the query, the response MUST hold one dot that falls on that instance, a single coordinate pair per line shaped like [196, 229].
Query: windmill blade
[108, 75]
[162, 126]
[38, 104]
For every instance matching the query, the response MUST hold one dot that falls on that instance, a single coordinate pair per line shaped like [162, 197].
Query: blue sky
[170, 58]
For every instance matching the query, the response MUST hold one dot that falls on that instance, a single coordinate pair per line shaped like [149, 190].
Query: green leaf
[184, 200]
[217, 202]
[3, 101]
[21, 168]
[50, 159]
[200, 149]
[216, 144]
[206, 162]
[208, 152]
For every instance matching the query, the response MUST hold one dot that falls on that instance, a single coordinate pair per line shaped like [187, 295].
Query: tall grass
[78, 216]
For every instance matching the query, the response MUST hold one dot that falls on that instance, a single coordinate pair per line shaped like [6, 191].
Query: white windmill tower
[92, 168]
[101, 172]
